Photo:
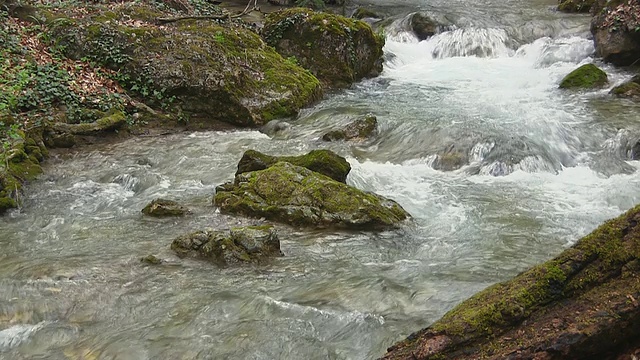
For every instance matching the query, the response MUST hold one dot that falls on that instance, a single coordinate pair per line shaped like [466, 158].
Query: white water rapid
[539, 169]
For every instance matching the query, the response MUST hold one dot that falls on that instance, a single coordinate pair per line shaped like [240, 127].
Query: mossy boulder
[629, 89]
[325, 162]
[615, 27]
[581, 304]
[336, 49]
[587, 76]
[576, 6]
[298, 196]
[20, 164]
[358, 130]
[164, 207]
[238, 245]
[204, 69]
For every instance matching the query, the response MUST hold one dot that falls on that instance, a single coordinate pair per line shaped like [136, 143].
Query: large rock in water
[582, 304]
[207, 70]
[164, 207]
[358, 130]
[238, 245]
[575, 6]
[337, 50]
[615, 27]
[325, 162]
[587, 76]
[298, 196]
[629, 89]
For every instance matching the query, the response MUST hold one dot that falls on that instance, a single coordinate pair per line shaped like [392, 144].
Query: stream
[545, 167]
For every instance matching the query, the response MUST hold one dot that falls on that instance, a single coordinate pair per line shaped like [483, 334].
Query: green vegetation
[585, 77]
[298, 196]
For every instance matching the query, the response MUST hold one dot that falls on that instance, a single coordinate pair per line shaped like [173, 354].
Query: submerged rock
[581, 304]
[423, 26]
[337, 50]
[363, 13]
[151, 260]
[163, 207]
[630, 89]
[615, 26]
[325, 162]
[358, 130]
[298, 196]
[238, 245]
[586, 77]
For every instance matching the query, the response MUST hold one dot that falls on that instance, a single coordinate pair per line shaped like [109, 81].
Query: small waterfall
[470, 42]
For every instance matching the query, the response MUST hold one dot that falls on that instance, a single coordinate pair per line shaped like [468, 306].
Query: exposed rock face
[325, 162]
[225, 73]
[358, 130]
[583, 304]
[575, 6]
[298, 196]
[239, 245]
[587, 76]
[337, 50]
[163, 207]
[630, 89]
[615, 27]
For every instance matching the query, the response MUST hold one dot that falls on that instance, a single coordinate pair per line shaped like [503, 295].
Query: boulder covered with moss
[204, 69]
[587, 76]
[238, 245]
[358, 130]
[575, 6]
[629, 89]
[165, 208]
[616, 30]
[336, 49]
[325, 162]
[297, 196]
[583, 304]
[19, 165]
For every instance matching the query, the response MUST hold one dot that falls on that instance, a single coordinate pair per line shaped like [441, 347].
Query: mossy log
[582, 304]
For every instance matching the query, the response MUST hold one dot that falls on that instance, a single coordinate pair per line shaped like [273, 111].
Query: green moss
[576, 6]
[336, 49]
[628, 89]
[7, 203]
[586, 76]
[595, 258]
[298, 196]
[325, 162]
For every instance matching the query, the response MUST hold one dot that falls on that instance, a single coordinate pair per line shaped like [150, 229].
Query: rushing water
[544, 168]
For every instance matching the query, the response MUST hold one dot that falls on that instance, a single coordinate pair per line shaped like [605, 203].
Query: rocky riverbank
[78, 73]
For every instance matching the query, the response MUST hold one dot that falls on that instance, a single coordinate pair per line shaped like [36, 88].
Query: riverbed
[544, 167]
